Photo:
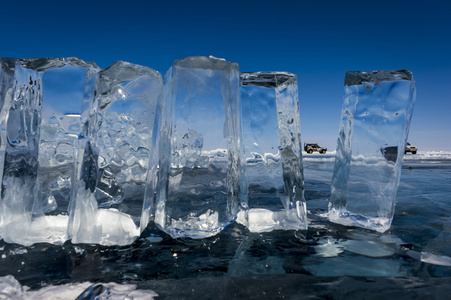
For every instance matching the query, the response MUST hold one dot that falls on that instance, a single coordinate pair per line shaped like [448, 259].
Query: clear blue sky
[317, 40]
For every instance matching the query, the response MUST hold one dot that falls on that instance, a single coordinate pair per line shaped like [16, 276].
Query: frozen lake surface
[412, 259]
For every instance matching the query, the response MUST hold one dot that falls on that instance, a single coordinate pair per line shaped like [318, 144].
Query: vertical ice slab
[7, 67]
[272, 181]
[375, 123]
[41, 121]
[199, 164]
[113, 159]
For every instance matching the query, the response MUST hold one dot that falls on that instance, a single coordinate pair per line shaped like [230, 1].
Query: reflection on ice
[368, 245]
[244, 264]
[441, 260]
[328, 247]
[356, 266]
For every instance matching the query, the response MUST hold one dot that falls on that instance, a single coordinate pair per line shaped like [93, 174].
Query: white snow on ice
[10, 288]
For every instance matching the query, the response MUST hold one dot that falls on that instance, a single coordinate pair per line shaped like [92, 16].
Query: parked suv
[411, 149]
[311, 147]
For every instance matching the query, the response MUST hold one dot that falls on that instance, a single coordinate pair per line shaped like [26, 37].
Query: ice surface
[113, 162]
[272, 181]
[171, 267]
[243, 264]
[376, 116]
[10, 288]
[439, 156]
[199, 164]
[355, 266]
[369, 245]
[40, 120]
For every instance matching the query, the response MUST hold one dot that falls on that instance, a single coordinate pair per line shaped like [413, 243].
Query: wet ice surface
[11, 288]
[414, 256]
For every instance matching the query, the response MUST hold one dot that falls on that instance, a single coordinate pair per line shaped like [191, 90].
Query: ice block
[376, 115]
[272, 181]
[109, 206]
[198, 184]
[41, 118]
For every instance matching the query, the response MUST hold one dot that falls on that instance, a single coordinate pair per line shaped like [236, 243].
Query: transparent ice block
[375, 123]
[199, 164]
[272, 181]
[113, 159]
[40, 120]
[7, 66]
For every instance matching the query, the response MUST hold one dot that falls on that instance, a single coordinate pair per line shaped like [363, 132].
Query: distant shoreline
[421, 155]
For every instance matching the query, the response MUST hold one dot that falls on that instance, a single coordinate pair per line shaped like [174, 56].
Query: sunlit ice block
[272, 179]
[109, 206]
[7, 66]
[376, 115]
[198, 183]
[40, 119]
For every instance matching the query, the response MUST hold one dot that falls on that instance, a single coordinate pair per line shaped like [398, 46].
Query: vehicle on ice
[312, 147]
[411, 149]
